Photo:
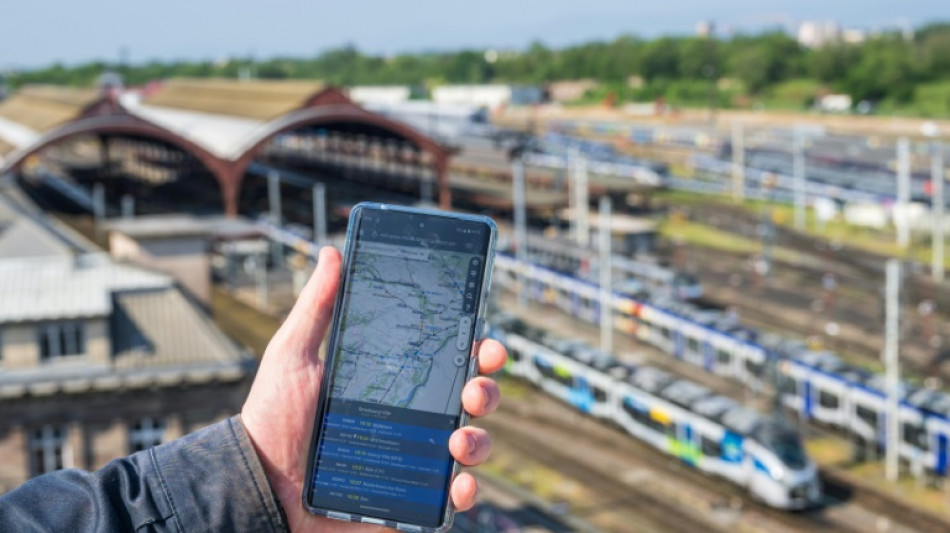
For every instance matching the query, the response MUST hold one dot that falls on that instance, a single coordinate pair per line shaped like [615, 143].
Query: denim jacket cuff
[213, 481]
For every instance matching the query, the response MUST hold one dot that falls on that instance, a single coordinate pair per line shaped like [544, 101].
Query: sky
[35, 33]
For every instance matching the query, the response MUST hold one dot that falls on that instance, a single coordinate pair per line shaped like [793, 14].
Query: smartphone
[409, 311]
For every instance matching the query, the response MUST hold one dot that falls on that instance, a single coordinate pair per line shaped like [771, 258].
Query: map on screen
[406, 333]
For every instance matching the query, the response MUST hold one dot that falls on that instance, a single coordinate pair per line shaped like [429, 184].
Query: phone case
[472, 371]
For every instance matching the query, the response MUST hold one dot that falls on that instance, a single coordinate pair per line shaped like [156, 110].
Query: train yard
[823, 296]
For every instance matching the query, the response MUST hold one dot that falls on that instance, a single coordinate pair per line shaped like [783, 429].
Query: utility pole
[273, 201]
[606, 284]
[581, 202]
[798, 165]
[521, 222]
[901, 220]
[319, 193]
[892, 371]
[738, 163]
[936, 177]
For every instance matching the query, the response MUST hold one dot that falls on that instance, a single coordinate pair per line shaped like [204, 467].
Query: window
[828, 400]
[787, 385]
[48, 448]
[754, 368]
[915, 436]
[600, 395]
[693, 345]
[146, 433]
[61, 339]
[722, 357]
[665, 332]
[868, 415]
[710, 447]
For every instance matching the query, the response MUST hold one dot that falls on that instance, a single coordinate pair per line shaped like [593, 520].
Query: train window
[868, 415]
[754, 368]
[787, 385]
[670, 430]
[600, 395]
[710, 447]
[723, 357]
[828, 400]
[666, 333]
[915, 436]
[693, 345]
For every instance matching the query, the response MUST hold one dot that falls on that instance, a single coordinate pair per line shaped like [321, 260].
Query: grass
[696, 234]
[881, 242]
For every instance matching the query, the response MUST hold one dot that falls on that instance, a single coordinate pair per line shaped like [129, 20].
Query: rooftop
[67, 287]
[22, 236]
[159, 338]
[258, 100]
[43, 107]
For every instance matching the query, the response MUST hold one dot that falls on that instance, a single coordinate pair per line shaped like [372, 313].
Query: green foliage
[772, 67]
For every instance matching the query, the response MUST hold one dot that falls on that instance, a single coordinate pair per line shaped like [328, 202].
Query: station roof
[259, 100]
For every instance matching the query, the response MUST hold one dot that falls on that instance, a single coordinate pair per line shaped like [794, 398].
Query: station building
[98, 359]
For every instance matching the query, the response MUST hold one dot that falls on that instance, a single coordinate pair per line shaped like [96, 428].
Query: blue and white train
[818, 385]
[680, 418]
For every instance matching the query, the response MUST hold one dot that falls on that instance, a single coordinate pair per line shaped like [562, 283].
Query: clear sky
[39, 32]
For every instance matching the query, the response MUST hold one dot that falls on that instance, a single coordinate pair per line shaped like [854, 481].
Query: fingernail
[472, 445]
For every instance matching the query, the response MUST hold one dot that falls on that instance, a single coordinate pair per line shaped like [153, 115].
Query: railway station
[722, 297]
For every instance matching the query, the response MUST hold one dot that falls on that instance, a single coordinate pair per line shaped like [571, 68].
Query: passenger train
[680, 418]
[632, 277]
[818, 385]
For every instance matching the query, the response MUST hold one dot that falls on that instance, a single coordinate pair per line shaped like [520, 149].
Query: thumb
[307, 323]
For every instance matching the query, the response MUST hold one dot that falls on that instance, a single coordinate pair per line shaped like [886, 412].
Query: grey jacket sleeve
[210, 480]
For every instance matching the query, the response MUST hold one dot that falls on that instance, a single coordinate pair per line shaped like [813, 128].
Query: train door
[678, 343]
[940, 465]
[687, 449]
[806, 397]
[581, 395]
[709, 356]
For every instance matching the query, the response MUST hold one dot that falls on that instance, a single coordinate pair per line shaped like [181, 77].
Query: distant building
[569, 90]
[815, 34]
[379, 94]
[705, 28]
[491, 96]
[853, 36]
[99, 359]
[835, 103]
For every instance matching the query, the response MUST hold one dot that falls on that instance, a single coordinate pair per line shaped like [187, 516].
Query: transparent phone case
[472, 371]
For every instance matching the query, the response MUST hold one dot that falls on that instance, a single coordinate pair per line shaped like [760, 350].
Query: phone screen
[398, 364]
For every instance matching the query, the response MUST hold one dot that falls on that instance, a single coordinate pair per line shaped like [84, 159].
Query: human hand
[281, 407]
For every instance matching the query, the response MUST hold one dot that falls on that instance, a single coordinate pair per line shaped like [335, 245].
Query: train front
[783, 475]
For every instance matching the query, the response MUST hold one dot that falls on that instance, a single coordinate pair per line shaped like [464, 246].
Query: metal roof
[159, 338]
[67, 287]
[227, 137]
[22, 236]
[258, 100]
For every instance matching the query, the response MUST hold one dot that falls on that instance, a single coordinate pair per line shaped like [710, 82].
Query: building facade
[100, 359]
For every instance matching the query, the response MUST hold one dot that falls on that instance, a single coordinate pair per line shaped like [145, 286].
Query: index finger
[491, 356]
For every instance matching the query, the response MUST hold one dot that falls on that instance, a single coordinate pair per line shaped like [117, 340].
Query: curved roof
[254, 99]
[43, 107]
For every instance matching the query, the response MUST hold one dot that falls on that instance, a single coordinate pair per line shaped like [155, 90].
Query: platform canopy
[222, 123]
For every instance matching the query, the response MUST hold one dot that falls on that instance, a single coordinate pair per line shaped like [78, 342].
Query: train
[643, 278]
[817, 385]
[704, 430]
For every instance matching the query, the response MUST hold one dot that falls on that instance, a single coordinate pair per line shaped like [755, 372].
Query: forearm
[210, 480]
